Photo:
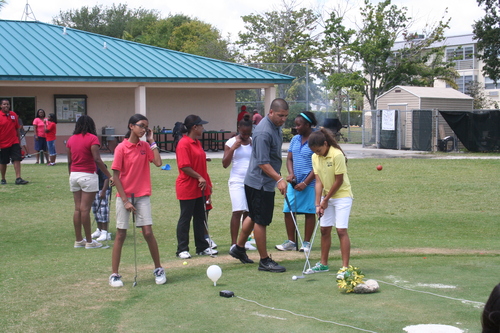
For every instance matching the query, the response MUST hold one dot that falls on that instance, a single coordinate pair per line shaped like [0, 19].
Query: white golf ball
[294, 278]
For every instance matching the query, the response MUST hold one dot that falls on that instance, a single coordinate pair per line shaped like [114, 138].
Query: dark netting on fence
[477, 130]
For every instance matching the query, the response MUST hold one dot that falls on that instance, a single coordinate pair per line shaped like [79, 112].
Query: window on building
[489, 83]
[69, 108]
[24, 107]
[460, 53]
[462, 82]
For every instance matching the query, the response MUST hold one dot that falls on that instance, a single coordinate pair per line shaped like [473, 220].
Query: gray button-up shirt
[267, 139]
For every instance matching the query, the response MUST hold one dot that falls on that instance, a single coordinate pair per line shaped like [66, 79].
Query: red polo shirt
[132, 160]
[190, 153]
[9, 124]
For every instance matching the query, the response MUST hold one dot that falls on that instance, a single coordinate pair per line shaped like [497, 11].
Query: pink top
[132, 160]
[81, 155]
[39, 130]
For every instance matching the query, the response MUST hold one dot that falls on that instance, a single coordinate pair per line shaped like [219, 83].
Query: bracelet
[318, 205]
[279, 180]
[304, 183]
[152, 144]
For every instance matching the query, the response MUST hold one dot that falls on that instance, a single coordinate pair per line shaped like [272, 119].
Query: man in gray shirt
[262, 177]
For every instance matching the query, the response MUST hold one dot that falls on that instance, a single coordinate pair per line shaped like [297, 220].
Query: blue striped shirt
[301, 158]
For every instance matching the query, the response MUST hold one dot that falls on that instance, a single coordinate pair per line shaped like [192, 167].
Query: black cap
[199, 121]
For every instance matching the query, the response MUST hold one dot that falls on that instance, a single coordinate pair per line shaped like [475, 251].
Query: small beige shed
[415, 125]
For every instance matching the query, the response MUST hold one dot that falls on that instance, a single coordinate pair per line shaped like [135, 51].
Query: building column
[269, 96]
[140, 100]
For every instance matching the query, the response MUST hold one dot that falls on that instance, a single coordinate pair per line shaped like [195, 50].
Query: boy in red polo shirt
[10, 150]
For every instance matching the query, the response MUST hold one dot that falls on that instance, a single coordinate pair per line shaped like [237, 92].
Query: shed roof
[431, 92]
[44, 52]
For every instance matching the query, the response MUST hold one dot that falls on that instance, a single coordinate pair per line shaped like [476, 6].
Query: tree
[114, 21]
[383, 65]
[284, 38]
[487, 33]
[476, 90]
[339, 58]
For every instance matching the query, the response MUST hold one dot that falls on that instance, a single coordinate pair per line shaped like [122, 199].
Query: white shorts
[337, 213]
[83, 181]
[238, 198]
[142, 213]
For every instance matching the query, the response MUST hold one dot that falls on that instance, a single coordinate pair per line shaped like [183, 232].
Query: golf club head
[134, 284]
[105, 247]
[300, 277]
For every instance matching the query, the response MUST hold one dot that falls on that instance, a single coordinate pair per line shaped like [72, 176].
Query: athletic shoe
[51, 164]
[270, 265]
[287, 245]
[81, 243]
[28, 156]
[160, 277]
[20, 181]
[103, 236]
[93, 245]
[340, 275]
[319, 268]
[240, 254]
[251, 239]
[207, 252]
[306, 247]
[3, 182]
[184, 255]
[96, 233]
[249, 247]
[115, 280]
[214, 246]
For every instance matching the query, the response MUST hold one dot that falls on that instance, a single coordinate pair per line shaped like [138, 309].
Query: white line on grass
[304, 316]
[426, 292]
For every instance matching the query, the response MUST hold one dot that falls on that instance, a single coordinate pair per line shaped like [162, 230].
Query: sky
[225, 15]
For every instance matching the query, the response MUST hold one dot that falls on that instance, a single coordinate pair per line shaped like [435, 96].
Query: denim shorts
[52, 147]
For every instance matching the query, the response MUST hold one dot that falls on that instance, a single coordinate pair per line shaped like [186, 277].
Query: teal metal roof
[35, 51]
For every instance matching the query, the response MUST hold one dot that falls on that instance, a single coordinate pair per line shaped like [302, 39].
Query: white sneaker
[103, 236]
[96, 233]
[212, 245]
[287, 245]
[160, 276]
[184, 255]
[115, 280]
[249, 247]
[251, 239]
[306, 247]
[81, 243]
[93, 245]
[207, 252]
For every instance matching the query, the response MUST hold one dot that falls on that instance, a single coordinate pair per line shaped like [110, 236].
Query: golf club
[205, 221]
[135, 248]
[108, 235]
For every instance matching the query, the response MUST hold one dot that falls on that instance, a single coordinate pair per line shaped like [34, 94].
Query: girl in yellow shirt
[333, 194]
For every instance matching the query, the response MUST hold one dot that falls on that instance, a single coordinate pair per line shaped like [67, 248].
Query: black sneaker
[240, 254]
[270, 265]
[20, 181]
[4, 182]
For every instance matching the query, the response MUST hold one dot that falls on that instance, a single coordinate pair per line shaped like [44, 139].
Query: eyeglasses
[142, 126]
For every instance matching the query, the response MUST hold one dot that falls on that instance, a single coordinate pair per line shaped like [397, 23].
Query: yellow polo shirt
[326, 167]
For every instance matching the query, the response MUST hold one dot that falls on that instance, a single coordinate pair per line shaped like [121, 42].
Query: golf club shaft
[206, 222]
[135, 246]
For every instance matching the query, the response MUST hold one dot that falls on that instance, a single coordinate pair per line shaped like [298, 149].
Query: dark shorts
[12, 153]
[41, 144]
[260, 205]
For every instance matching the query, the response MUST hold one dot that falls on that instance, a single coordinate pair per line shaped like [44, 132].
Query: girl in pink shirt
[40, 139]
[132, 178]
[83, 156]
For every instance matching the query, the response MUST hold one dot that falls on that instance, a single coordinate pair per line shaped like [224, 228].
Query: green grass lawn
[430, 226]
